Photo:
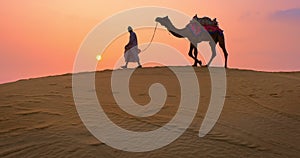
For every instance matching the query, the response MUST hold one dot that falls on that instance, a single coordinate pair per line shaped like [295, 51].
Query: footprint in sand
[253, 96]
[275, 95]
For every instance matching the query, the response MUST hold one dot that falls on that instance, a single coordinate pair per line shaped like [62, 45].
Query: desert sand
[260, 118]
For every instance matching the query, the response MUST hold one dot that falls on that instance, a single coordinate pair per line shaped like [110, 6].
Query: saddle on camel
[197, 25]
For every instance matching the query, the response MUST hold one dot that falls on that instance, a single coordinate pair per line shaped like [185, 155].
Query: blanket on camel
[197, 25]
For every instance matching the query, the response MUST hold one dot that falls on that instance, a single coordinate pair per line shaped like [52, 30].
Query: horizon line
[72, 73]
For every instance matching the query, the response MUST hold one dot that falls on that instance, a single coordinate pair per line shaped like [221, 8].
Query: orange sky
[42, 37]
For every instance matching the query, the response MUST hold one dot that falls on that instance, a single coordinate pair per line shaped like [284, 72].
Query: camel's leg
[213, 50]
[191, 54]
[222, 45]
[196, 56]
[192, 47]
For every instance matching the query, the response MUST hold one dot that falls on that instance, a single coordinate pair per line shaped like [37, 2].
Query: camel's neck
[173, 30]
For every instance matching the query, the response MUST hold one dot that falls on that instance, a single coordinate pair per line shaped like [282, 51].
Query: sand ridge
[260, 118]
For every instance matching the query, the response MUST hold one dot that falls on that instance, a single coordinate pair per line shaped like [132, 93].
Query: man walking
[131, 49]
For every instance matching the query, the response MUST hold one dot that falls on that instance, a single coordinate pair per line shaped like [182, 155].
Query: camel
[213, 39]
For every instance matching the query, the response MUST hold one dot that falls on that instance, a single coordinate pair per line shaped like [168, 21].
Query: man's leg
[139, 64]
[125, 66]
[126, 60]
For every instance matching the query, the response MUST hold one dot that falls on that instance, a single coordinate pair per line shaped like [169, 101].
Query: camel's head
[164, 21]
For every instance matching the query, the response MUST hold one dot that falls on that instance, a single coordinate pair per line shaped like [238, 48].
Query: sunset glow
[41, 38]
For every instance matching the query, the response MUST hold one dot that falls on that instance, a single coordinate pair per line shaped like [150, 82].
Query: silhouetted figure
[131, 49]
[195, 33]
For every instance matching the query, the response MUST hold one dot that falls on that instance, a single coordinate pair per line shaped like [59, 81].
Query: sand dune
[260, 118]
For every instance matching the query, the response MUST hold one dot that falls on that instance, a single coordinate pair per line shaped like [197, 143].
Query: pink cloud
[292, 14]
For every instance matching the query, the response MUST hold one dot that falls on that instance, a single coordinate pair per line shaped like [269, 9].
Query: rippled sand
[260, 118]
